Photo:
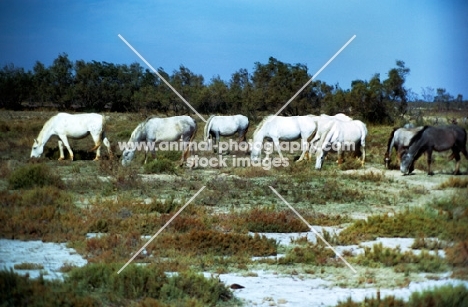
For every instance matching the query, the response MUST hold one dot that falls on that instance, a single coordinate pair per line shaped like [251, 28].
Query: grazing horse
[75, 126]
[439, 138]
[155, 130]
[342, 136]
[217, 126]
[282, 128]
[324, 124]
[399, 139]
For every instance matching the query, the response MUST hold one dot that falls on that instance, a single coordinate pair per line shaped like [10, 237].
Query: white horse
[342, 136]
[217, 126]
[324, 124]
[155, 130]
[75, 126]
[278, 128]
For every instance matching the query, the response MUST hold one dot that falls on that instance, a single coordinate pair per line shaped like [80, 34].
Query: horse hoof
[430, 174]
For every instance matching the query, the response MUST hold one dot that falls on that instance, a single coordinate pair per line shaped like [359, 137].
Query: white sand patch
[269, 289]
[52, 256]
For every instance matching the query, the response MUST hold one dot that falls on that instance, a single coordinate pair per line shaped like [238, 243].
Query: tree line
[102, 86]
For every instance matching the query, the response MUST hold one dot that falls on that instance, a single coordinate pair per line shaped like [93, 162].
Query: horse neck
[417, 148]
[208, 124]
[45, 134]
[139, 134]
[259, 135]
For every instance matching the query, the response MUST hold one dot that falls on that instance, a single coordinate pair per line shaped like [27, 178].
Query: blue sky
[214, 38]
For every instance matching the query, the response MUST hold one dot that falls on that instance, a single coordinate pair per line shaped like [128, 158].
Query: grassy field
[221, 230]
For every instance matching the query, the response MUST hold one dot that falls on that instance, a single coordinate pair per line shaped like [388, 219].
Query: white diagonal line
[161, 77]
[316, 74]
[315, 231]
[162, 228]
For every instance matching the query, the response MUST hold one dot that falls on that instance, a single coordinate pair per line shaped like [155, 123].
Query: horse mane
[260, 126]
[206, 131]
[417, 136]
[139, 128]
[46, 125]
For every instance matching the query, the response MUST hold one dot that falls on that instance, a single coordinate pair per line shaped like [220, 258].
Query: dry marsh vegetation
[64, 201]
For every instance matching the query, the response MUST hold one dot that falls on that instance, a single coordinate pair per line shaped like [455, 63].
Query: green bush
[379, 256]
[189, 285]
[33, 175]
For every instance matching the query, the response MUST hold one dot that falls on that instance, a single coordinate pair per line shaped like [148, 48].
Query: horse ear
[35, 141]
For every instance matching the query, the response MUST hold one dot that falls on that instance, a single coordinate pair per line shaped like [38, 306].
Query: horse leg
[60, 145]
[304, 151]
[187, 150]
[363, 155]
[277, 145]
[429, 161]
[109, 149]
[65, 142]
[215, 139]
[457, 157]
[97, 145]
[146, 155]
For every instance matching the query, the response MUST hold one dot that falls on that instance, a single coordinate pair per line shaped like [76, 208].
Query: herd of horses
[319, 134]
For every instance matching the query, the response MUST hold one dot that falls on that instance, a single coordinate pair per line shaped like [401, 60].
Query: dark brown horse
[439, 138]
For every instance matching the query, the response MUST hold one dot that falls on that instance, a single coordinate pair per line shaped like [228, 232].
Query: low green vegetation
[100, 285]
[377, 256]
[441, 296]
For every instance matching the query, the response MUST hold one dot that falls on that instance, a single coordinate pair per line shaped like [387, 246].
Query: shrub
[33, 175]
[382, 256]
[409, 223]
[267, 220]
[454, 182]
[316, 254]
[187, 285]
[160, 166]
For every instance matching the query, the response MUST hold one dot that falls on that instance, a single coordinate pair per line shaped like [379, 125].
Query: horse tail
[391, 143]
[102, 135]
[206, 132]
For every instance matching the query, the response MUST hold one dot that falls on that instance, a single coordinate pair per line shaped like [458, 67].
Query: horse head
[407, 163]
[37, 149]
[255, 150]
[127, 156]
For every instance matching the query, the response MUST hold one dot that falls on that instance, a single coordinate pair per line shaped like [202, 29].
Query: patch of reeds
[454, 182]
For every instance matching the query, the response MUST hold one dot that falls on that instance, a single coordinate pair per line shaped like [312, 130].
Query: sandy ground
[269, 289]
[262, 288]
[52, 256]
